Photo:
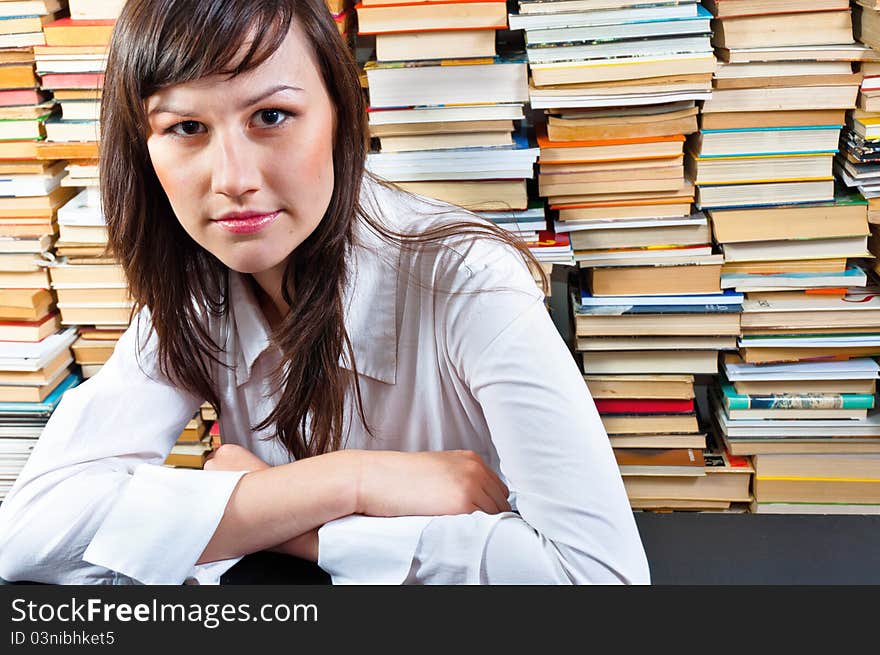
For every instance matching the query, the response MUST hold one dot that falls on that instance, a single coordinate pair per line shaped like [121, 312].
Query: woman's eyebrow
[159, 109]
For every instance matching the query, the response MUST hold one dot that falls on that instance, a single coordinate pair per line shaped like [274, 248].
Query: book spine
[801, 401]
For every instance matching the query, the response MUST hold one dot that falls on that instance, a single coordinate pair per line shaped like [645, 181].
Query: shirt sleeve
[95, 504]
[573, 522]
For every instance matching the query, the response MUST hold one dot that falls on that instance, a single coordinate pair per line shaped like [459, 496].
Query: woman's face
[247, 162]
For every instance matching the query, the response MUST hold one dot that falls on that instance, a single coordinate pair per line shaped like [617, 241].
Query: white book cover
[82, 210]
[21, 356]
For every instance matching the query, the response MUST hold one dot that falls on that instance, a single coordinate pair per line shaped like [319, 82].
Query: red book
[15, 97]
[73, 80]
[627, 406]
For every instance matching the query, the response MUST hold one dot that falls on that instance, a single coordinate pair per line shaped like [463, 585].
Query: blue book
[773, 129]
[48, 405]
[727, 297]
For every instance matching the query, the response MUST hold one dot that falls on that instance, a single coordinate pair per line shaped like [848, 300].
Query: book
[813, 508]
[86, 80]
[650, 424]
[789, 489]
[738, 401]
[779, 250]
[95, 314]
[621, 68]
[655, 343]
[43, 408]
[25, 304]
[843, 465]
[632, 238]
[782, 98]
[640, 386]
[660, 461]
[623, 441]
[658, 324]
[586, 126]
[795, 29]
[701, 276]
[16, 97]
[70, 32]
[189, 455]
[768, 119]
[527, 7]
[629, 406]
[804, 139]
[546, 53]
[92, 351]
[728, 8]
[650, 361]
[32, 393]
[29, 330]
[757, 169]
[464, 81]
[698, 23]
[432, 16]
[29, 7]
[486, 195]
[846, 216]
[581, 151]
[435, 45]
[727, 478]
[611, 16]
[796, 387]
[438, 141]
[40, 377]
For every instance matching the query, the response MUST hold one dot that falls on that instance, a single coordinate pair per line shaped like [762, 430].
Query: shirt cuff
[210, 573]
[159, 527]
[370, 549]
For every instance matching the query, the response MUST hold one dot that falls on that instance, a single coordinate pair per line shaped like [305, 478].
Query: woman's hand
[430, 483]
[232, 457]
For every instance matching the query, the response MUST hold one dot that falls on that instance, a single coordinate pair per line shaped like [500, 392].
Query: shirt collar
[369, 302]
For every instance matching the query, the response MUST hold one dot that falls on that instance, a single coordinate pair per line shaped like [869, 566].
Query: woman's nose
[234, 166]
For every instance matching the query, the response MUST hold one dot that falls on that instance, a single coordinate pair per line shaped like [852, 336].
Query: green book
[734, 400]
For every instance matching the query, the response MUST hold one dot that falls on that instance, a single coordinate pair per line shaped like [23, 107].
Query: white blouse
[441, 367]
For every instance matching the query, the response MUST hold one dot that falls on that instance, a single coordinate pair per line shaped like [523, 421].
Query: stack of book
[35, 358]
[701, 480]
[618, 82]
[72, 66]
[34, 375]
[644, 330]
[92, 295]
[21, 23]
[606, 53]
[193, 445]
[90, 286]
[860, 154]
[770, 131]
[443, 105]
[817, 484]
[799, 422]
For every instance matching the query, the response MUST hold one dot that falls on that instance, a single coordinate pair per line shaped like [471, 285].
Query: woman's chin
[253, 264]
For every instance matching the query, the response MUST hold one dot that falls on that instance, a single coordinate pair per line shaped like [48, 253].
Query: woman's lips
[246, 223]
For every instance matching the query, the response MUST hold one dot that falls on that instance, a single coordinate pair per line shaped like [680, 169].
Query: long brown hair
[157, 43]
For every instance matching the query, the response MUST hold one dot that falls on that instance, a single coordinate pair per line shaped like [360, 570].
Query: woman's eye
[186, 128]
[270, 117]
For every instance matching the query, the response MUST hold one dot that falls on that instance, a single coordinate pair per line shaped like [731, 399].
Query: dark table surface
[696, 548]
[699, 548]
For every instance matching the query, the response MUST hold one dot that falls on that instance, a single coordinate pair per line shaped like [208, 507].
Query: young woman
[397, 403]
